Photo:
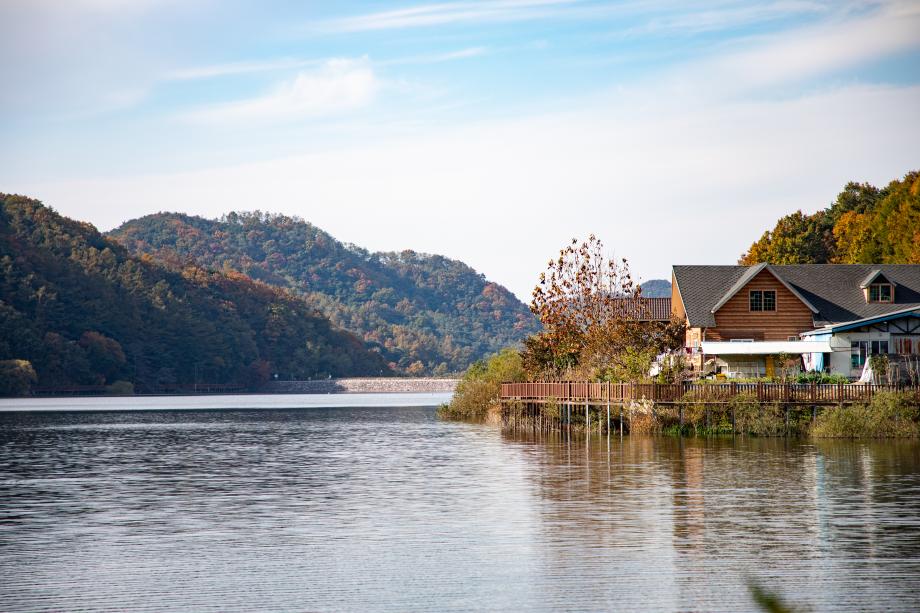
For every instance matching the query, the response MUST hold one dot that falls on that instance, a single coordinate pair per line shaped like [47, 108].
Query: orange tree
[591, 309]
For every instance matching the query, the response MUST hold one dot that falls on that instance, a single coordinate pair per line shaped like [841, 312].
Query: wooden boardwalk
[583, 392]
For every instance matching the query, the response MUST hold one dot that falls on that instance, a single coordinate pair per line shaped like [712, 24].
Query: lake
[237, 504]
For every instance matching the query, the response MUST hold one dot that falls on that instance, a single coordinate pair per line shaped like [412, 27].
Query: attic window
[880, 292]
[763, 300]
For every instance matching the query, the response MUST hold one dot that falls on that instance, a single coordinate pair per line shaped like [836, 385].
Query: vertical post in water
[587, 421]
[608, 417]
[621, 420]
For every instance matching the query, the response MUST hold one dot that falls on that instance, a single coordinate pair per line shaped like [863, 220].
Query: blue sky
[487, 131]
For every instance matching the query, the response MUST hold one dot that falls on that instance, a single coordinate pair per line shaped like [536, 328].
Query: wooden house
[740, 318]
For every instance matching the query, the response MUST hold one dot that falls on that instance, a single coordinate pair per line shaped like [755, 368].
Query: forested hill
[84, 311]
[425, 313]
[865, 225]
[656, 288]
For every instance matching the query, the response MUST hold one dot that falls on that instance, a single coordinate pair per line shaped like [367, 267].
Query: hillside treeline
[426, 314]
[77, 309]
[864, 225]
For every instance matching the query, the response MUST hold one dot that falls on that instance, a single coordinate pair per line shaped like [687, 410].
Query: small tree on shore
[591, 311]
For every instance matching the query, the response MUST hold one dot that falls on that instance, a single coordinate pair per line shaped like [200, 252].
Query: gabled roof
[872, 275]
[833, 292]
[749, 274]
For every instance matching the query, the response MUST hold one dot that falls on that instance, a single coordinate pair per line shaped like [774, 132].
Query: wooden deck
[583, 392]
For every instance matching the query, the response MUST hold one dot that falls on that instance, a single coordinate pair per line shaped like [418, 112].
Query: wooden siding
[736, 320]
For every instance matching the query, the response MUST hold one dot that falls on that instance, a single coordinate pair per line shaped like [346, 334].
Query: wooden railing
[600, 393]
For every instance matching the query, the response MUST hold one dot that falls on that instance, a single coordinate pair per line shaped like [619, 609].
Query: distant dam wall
[382, 385]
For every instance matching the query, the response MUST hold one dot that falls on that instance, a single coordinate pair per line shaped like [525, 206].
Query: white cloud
[816, 50]
[437, 58]
[235, 68]
[723, 17]
[339, 85]
[660, 183]
[446, 13]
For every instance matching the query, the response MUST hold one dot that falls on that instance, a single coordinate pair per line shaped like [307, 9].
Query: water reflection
[391, 509]
[686, 523]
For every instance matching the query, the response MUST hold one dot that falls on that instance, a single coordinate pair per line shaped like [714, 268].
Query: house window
[861, 350]
[763, 300]
[792, 338]
[880, 292]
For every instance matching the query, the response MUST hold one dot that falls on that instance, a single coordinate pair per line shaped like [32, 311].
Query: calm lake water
[390, 509]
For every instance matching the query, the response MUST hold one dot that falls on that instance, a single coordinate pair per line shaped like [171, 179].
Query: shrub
[16, 377]
[752, 417]
[821, 378]
[477, 394]
[642, 417]
[120, 388]
[888, 415]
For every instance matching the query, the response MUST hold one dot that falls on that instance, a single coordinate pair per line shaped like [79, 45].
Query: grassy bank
[887, 415]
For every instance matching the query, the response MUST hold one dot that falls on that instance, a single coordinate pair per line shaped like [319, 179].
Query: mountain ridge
[83, 311]
[427, 314]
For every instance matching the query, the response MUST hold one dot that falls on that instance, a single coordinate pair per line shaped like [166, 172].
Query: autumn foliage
[590, 308]
[864, 225]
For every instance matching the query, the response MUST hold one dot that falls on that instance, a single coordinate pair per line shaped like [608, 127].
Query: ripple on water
[391, 509]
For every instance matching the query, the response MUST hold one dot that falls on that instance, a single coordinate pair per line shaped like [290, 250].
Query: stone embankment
[360, 386]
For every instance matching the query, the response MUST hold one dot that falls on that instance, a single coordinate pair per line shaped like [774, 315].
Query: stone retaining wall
[357, 386]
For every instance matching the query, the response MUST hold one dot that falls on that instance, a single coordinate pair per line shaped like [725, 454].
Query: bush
[120, 388]
[888, 415]
[752, 417]
[16, 377]
[821, 378]
[477, 394]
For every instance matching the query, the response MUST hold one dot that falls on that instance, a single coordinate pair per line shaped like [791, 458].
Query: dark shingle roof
[645, 309]
[833, 289]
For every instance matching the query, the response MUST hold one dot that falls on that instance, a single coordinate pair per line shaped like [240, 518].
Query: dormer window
[763, 300]
[877, 287]
[881, 292]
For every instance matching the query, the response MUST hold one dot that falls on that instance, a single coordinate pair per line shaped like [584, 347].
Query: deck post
[621, 420]
[608, 415]
[587, 421]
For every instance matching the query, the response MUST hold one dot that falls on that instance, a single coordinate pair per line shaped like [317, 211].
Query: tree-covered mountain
[866, 224]
[424, 313]
[78, 309]
[656, 288]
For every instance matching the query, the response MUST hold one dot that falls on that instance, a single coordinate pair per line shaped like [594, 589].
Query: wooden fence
[617, 393]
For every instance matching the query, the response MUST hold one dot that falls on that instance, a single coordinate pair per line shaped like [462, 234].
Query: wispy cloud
[818, 50]
[279, 64]
[339, 85]
[722, 17]
[235, 68]
[437, 58]
[446, 13]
